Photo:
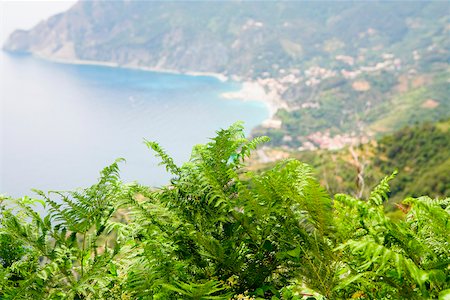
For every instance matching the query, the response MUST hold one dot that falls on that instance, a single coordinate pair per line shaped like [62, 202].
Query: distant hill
[420, 153]
[236, 37]
[341, 68]
[341, 115]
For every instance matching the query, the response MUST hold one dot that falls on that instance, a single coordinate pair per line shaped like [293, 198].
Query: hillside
[420, 153]
[241, 38]
[337, 70]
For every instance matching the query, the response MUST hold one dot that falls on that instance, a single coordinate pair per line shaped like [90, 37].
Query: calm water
[61, 124]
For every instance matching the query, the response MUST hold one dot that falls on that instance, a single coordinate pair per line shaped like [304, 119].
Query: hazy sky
[16, 14]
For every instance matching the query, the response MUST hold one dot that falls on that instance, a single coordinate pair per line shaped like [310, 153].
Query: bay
[61, 123]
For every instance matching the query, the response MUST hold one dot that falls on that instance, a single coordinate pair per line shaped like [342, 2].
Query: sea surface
[61, 123]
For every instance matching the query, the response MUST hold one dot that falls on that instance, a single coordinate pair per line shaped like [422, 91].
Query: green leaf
[113, 269]
[294, 252]
[444, 295]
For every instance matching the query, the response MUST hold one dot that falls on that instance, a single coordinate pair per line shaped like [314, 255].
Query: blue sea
[61, 123]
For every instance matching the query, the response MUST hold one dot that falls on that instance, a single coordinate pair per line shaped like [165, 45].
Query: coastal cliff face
[241, 38]
[179, 36]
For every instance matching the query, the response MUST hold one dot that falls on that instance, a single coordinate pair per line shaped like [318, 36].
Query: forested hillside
[218, 231]
[242, 38]
[420, 153]
[339, 71]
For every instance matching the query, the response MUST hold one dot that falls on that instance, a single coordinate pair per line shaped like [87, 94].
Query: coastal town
[272, 90]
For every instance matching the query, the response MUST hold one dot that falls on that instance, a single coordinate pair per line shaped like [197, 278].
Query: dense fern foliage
[218, 231]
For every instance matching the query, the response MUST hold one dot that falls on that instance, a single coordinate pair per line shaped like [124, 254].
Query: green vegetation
[218, 231]
[420, 153]
[244, 38]
[424, 104]
[381, 110]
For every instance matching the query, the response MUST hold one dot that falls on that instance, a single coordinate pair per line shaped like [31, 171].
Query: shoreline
[249, 90]
[254, 91]
[218, 76]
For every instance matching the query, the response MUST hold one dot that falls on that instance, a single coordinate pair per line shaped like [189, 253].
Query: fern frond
[380, 192]
[200, 291]
[166, 160]
[383, 259]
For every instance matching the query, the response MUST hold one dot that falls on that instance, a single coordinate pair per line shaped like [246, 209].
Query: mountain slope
[244, 38]
[420, 153]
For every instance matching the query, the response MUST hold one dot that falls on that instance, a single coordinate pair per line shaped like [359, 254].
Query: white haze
[16, 14]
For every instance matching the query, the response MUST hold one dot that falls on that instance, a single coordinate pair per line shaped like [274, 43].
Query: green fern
[218, 230]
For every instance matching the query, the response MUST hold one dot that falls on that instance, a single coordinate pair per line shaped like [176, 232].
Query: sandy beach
[254, 91]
